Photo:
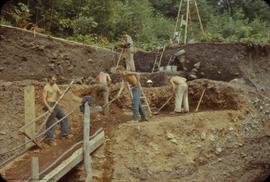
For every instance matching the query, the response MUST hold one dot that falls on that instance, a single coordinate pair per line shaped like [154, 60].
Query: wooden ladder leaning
[144, 100]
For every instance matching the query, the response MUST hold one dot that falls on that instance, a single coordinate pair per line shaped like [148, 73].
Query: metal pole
[86, 149]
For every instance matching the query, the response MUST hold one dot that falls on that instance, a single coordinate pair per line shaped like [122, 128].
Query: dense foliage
[150, 22]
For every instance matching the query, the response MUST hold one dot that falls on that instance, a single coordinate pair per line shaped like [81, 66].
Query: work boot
[67, 136]
[144, 119]
[50, 142]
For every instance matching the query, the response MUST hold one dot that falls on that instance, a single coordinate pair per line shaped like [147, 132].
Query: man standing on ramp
[50, 94]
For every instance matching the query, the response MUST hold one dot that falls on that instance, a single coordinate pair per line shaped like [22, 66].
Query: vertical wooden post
[186, 30]
[29, 111]
[35, 169]
[178, 14]
[86, 149]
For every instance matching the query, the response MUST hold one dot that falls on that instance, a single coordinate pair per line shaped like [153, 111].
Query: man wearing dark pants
[50, 95]
[133, 79]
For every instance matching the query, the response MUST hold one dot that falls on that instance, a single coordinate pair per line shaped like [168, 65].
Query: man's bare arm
[133, 74]
[59, 91]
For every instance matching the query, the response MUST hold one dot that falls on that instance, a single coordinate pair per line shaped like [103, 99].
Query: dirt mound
[218, 61]
[179, 148]
[24, 55]
[226, 141]
[218, 95]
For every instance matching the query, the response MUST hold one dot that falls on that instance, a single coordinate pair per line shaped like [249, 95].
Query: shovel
[167, 101]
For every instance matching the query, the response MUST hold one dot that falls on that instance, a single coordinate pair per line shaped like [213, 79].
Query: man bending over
[180, 89]
[104, 80]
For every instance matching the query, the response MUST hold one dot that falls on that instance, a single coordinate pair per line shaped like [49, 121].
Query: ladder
[157, 63]
[144, 100]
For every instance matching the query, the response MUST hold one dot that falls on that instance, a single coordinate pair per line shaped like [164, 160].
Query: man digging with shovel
[180, 89]
[133, 79]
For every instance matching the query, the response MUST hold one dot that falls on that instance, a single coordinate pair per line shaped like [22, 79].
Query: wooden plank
[29, 112]
[73, 160]
[86, 149]
[35, 169]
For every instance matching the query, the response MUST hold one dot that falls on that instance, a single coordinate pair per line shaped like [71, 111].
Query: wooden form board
[73, 160]
[29, 112]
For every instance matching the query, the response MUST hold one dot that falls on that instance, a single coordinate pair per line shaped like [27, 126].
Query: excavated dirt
[25, 56]
[227, 140]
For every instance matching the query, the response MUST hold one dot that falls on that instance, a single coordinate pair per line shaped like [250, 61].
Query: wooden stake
[199, 17]
[199, 103]
[86, 149]
[29, 112]
[35, 169]
[178, 14]
[185, 38]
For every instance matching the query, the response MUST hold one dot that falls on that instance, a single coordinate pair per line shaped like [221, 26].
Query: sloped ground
[228, 144]
[227, 141]
[25, 56]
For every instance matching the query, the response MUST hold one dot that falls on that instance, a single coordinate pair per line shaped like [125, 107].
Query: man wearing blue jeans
[50, 95]
[133, 79]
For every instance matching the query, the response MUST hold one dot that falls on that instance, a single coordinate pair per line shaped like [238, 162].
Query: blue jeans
[58, 113]
[136, 104]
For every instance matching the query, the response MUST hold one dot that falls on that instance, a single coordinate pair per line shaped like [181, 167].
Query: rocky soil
[227, 140]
